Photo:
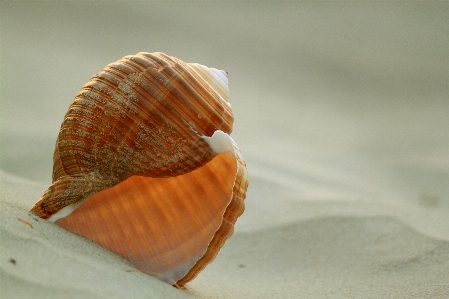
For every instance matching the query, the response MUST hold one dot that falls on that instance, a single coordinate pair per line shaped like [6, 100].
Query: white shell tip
[221, 74]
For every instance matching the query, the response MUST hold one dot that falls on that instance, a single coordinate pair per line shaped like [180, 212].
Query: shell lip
[234, 209]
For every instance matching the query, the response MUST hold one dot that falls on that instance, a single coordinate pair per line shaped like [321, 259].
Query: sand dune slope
[334, 256]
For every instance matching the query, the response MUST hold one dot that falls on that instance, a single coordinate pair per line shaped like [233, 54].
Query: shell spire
[144, 165]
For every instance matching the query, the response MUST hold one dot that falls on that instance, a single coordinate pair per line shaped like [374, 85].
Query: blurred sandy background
[341, 108]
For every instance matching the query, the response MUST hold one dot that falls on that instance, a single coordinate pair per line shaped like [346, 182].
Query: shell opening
[163, 226]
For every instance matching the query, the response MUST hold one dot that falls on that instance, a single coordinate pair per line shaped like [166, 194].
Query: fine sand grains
[333, 256]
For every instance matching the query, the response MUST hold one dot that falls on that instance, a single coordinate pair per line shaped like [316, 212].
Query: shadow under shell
[163, 226]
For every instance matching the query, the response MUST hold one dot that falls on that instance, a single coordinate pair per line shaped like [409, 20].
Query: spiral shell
[144, 165]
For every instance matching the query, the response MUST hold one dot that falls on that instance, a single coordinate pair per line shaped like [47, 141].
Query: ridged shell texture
[144, 165]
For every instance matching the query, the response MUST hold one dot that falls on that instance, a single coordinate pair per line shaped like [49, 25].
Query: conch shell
[144, 165]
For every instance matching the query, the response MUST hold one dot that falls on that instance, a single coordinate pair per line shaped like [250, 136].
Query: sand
[340, 112]
[360, 254]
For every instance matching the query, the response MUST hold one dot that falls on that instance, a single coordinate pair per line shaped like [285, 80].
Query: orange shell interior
[164, 226]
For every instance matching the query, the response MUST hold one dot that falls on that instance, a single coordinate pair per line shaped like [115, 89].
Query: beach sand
[336, 255]
[341, 113]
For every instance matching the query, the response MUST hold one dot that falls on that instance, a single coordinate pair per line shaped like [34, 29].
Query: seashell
[144, 165]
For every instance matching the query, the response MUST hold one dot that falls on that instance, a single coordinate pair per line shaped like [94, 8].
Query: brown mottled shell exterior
[132, 161]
